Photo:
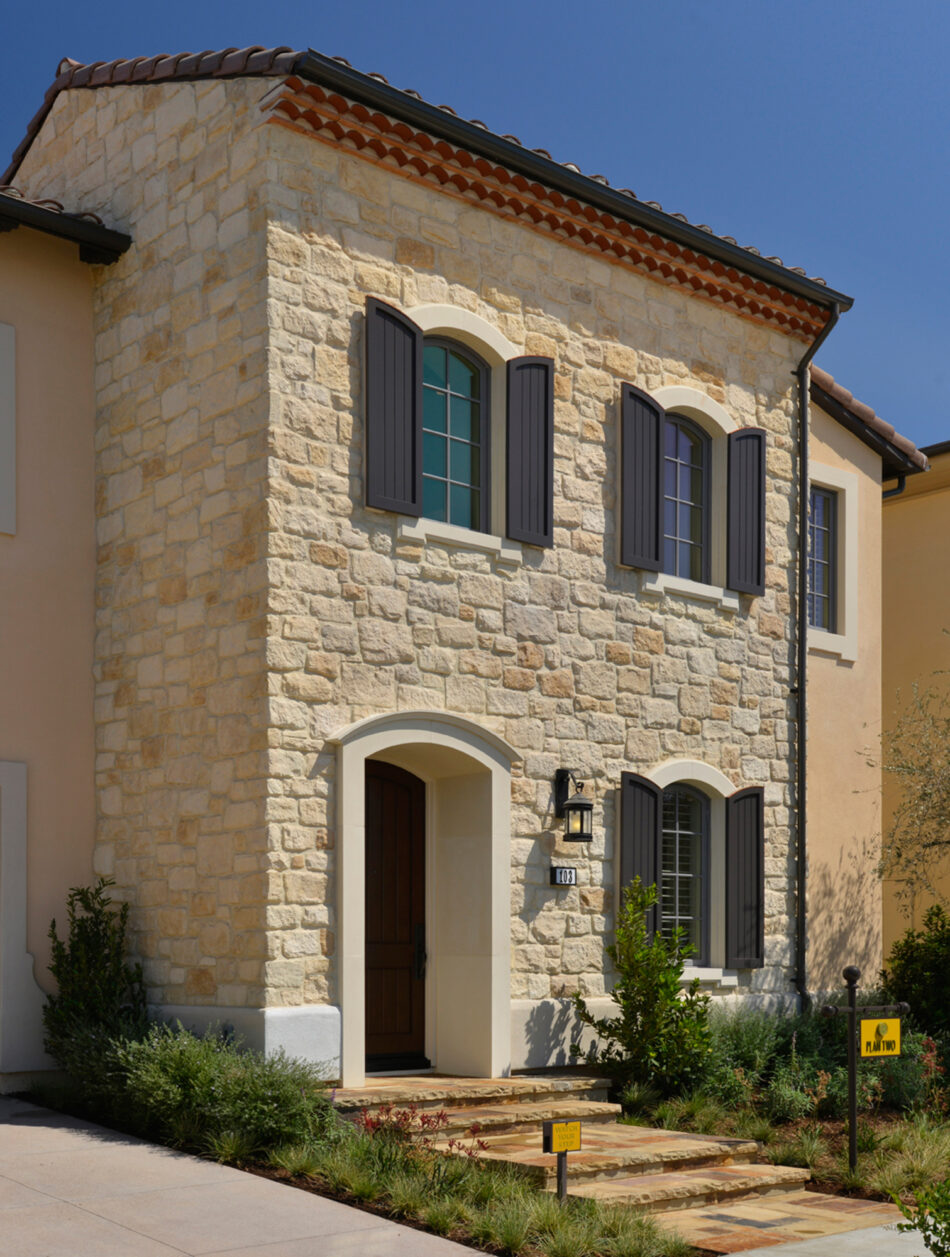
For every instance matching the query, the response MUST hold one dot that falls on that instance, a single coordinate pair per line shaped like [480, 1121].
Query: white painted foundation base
[310, 1033]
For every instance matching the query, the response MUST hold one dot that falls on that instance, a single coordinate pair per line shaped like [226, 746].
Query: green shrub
[100, 996]
[785, 1097]
[930, 1216]
[918, 971]
[196, 1092]
[661, 1034]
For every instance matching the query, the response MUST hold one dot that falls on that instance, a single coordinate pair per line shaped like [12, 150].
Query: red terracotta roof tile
[257, 60]
[863, 413]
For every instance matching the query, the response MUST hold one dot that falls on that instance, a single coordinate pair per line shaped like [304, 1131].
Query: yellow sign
[880, 1037]
[562, 1136]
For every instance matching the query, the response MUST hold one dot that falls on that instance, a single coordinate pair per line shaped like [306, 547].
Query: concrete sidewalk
[68, 1187]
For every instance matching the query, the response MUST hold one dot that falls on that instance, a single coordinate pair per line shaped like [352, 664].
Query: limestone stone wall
[181, 450]
[561, 654]
[249, 606]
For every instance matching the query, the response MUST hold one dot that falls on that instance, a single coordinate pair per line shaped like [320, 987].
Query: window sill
[722, 979]
[660, 583]
[433, 530]
[840, 645]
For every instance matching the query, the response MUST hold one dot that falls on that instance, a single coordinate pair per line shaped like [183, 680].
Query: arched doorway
[466, 772]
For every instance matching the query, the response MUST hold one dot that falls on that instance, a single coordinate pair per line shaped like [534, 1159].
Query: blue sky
[816, 130]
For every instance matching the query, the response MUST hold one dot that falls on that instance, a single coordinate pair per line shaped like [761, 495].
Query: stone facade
[249, 606]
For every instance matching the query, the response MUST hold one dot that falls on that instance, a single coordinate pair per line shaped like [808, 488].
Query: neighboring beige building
[426, 467]
[916, 620]
[47, 577]
[851, 448]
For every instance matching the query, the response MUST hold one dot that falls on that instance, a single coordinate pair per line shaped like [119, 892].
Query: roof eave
[895, 462]
[369, 91]
[97, 244]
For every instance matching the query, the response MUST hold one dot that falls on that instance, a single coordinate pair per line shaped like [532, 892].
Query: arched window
[684, 872]
[455, 435]
[686, 476]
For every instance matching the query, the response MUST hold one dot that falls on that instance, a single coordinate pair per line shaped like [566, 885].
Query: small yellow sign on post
[562, 1137]
[880, 1036]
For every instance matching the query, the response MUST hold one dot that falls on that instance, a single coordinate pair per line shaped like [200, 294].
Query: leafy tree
[661, 1034]
[916, 849]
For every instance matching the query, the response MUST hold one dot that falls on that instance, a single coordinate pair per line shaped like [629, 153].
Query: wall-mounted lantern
[576, 808]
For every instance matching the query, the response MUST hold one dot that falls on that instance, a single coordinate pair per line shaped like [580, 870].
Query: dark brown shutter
[641, 482]
[746, 562]
[530, 451]
[641, 835]
[745, 879]
[393, 410]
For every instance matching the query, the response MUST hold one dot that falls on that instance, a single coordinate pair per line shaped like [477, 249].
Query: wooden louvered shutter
[530, 451]
[641, 835]
[641, 484]
[745, 879]
[393, 410]
[746, 546]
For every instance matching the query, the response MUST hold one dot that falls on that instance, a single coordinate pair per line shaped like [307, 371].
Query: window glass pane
[685, 521]
[463, 463]
[696, 564]
[670, 443]
[818, 508]
[696, 478]
[463, 417]
[463, 506]
[669, 518]
[685, 561]
[463, 376]
[433, 365]
[433, 410]
[669, 479]
[433, 454]
[433, 498]
[669, 556]
[695, 533]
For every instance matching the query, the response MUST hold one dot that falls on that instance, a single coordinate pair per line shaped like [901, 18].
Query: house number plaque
[561, 876]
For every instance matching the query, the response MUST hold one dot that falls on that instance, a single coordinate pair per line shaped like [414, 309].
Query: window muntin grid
[822, 559]
[454, 436]
[684, 868]
[686, 500]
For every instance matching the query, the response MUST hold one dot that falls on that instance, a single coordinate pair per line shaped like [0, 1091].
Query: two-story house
[433, 478]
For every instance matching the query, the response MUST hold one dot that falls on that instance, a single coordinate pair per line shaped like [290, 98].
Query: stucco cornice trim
[444, 723]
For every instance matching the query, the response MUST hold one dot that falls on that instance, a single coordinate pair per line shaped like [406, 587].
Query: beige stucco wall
[47, 569]
[916, 617]
[844, 720]
[250, 607]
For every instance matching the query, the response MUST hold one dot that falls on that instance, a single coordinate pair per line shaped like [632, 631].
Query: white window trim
[660, 583]
[434, 530]
[468, 328]
[843, 644]
[7, 429]
[717, 423]
[717, 787]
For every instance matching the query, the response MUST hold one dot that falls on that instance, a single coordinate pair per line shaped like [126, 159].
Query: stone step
[526, 1116]
[611, 1151]
[437, 1091]
[690, 1189]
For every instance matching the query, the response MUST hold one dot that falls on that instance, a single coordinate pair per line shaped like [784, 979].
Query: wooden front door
[395, 919]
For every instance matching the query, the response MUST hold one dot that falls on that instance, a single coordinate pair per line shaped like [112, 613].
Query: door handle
[420, 955]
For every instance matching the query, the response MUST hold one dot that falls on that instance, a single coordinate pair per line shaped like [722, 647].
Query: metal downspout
[801, 980]
[893, 493]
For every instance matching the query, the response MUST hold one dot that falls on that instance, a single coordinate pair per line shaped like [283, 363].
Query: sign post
[562, 1138]
[874, 1036]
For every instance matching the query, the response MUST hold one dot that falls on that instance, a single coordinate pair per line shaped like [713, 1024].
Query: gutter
[97, 244]
[317, 68]
[801, 371]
